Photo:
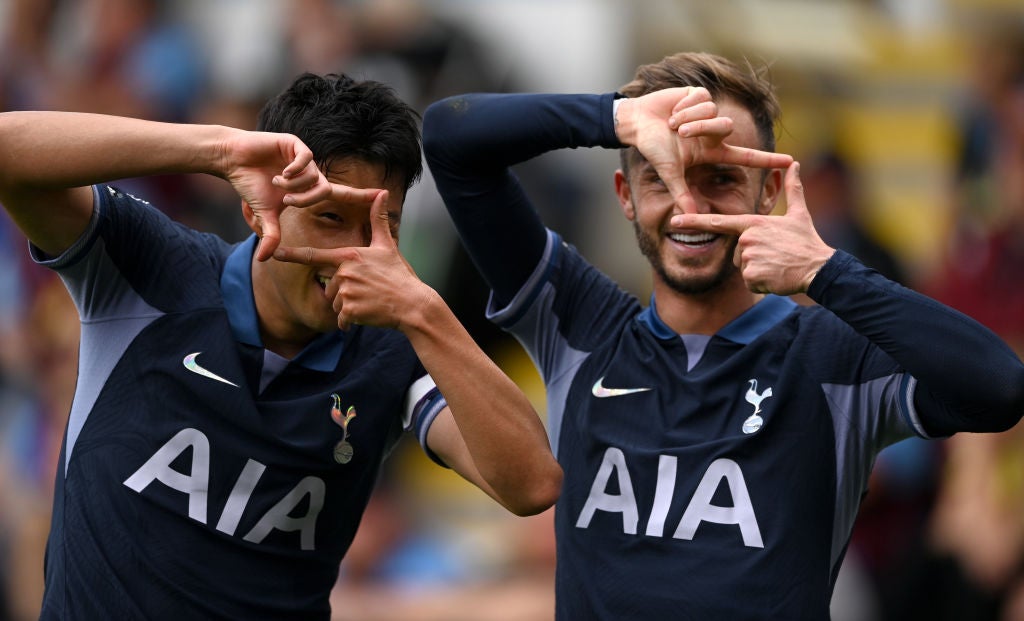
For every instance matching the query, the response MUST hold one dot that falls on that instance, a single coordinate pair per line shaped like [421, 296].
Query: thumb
[270, 235]
[380, 221]
[796, 206]
[676, 184]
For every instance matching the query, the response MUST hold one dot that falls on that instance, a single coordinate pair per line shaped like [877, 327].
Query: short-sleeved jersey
[202, 476]
[692, 462]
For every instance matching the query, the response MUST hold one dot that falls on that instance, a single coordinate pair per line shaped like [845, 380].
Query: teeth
[692, 238]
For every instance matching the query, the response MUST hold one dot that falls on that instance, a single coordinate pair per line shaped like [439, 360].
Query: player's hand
[372, 285]
[642, 122]
[775, 254]
[694, 118]
[263, 167]
[677, 128]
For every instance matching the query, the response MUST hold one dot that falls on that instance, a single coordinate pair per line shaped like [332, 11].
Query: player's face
[694, 262]
[296, 297]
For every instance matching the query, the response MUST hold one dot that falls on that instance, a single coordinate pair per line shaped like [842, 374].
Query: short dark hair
[339, 117]
[723, 78]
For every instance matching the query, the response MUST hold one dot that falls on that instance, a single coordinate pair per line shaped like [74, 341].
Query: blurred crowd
[941, 534]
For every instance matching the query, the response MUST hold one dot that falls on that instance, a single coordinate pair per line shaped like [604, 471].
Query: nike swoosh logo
[190, 364]
[601, 392]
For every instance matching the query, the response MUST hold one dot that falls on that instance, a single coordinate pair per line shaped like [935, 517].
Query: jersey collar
[754, 322]
[236, 287]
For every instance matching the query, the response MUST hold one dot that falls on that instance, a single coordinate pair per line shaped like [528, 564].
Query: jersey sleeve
[133, 260]
[471, 142]
[423, 402]
[962, 376]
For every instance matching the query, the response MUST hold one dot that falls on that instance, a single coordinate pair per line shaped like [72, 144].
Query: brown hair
[723, 78]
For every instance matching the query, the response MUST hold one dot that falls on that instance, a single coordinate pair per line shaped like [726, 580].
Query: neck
[286, 347]
[284, 338]
[703, 313]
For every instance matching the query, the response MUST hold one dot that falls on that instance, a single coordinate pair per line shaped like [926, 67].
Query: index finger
[301, 158]
[324, 190]
[714, 222]
[319, 257]
[754, 158]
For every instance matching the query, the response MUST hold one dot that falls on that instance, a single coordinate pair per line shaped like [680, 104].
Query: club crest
[754, 422]
[343, 450]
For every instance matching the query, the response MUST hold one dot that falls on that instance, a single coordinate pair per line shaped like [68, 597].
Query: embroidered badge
[343, 449]
[754, 422]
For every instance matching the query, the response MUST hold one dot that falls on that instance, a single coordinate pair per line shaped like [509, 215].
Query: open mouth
[694, 240]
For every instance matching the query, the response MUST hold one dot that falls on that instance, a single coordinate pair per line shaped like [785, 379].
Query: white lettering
[662, 495]
[239, 497]
[741, 513]
[195, 484]
[624, 502]
[278, 516]
[698, 510]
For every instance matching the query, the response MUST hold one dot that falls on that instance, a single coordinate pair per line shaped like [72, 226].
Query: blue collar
[321, 354]
[754, 322]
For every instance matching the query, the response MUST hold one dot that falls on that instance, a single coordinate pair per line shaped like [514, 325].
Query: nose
[691, 202]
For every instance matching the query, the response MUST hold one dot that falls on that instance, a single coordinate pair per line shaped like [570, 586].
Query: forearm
[471, 141]
[960, 366]
[505, 439]
[56, 150]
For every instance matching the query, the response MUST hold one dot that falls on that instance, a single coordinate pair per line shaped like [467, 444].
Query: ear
[770, 192]
[625, 195]
[251, 219]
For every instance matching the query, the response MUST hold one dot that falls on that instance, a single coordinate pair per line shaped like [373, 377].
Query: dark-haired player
[225, 433]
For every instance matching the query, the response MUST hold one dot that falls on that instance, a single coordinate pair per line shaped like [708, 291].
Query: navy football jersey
[705, 477]
[202, 476]
[694, 462]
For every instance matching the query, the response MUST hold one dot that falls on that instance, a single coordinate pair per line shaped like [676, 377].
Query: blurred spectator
[397, 570]
[983, 272]
[974, 559]
[32, 420]
[26, 72]
[128, 58]
[831, 191]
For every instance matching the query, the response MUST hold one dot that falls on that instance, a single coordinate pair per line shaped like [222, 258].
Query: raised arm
[471, 141]
[50, 158]
[968, 379]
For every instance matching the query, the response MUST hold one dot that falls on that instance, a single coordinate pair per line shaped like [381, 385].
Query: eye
[723, 178]
[652, 178]
[330, 216]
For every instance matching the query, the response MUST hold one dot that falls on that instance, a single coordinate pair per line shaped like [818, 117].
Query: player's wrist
[424, 310]
[815, 267]
[622, 111]
[218, 150]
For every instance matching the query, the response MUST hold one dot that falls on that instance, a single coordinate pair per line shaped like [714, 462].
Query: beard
[689, 284]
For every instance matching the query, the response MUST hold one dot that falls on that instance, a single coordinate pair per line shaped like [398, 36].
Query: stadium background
[908, 117]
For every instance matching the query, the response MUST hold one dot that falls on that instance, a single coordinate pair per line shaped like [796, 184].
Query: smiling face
[695, 262]
[290, 298]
